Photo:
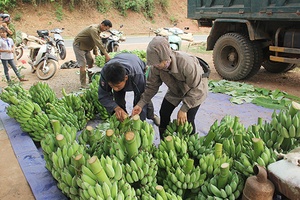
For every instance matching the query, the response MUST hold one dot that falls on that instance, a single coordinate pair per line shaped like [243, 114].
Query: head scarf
[158, 50]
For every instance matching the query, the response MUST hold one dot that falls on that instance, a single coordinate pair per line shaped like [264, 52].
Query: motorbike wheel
[19, 52]
[62, 50]
[116, 48]
[45, 73]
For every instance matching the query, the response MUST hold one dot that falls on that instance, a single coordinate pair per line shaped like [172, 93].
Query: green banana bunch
[182, 130]
[244, 165]
[164, 195]
[62, 113]
[31, 118]
[287, 122]
[262, 156]
[75, 105]
[91, 95]
[15, 90]
[232, 190]
[193, 179]
[228, 127]
[176, 143]
[196, 147]
[89, 108]
[271, 137]
[211, 165]
[141, 172]
[231, 148]
[63, 169]
[112, 168]
[41, 93]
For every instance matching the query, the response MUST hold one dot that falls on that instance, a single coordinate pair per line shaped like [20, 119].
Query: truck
[247, 34]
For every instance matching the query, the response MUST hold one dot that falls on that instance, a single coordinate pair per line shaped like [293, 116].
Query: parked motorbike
[175, 36]
[59, 42]
[112, 38]
[42, 57]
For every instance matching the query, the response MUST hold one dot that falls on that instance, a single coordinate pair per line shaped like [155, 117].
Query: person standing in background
[11, 31]
[6, 54]
[89, 39]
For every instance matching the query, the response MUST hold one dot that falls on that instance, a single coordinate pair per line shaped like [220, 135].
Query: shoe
[23, 79]
[156, 120]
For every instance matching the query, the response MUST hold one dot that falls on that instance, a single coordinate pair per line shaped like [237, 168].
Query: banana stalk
[294, 108]
[218, 150]
[189, 165]
[61, 140]
[95, 166]
[108, 139]
[56, 126]
[258, 147]
[238, 138]
[170, 143]
[224, 175]
[137, 123]
[131, 144]
[79, 161]
[161, 191]
[209, 137]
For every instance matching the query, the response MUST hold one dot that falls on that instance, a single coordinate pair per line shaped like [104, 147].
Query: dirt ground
[13, 184]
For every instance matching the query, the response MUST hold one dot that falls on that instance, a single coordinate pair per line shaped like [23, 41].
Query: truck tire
[277, 67]
[258, 58]
[233, 56]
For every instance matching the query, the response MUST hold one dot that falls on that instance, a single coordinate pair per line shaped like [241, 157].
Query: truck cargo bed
[279, 10]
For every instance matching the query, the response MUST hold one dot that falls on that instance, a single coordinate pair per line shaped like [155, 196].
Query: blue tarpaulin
[43, 184]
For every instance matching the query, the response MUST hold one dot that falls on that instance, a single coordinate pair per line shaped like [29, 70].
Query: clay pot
[258, 187]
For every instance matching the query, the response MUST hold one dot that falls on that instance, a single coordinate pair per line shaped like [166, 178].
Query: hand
[4, 25]
[136, 110]
[120, 114]
[107, 57]
[181, 117]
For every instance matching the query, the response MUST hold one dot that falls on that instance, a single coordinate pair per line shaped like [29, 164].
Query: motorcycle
[42, 57]
[59, 42]
[111, 39]
[175, 36]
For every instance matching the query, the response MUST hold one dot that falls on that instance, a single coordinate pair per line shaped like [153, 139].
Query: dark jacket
[136, 82]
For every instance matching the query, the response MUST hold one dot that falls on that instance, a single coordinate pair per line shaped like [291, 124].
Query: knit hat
[158, 50]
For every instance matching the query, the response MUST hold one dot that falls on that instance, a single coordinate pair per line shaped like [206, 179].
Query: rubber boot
[90, 75]
[83, 79]
[161, 133]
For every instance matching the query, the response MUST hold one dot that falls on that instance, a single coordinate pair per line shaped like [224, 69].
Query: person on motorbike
[85, 41]
[185, 78]
[123, 73]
